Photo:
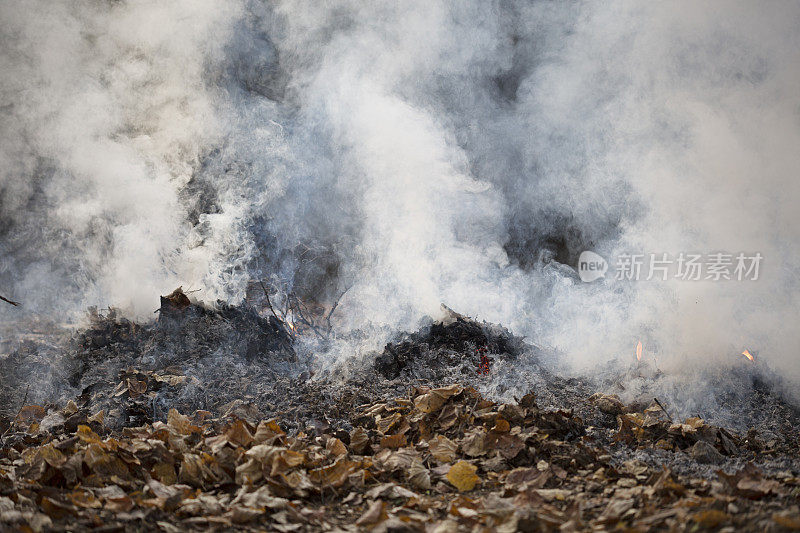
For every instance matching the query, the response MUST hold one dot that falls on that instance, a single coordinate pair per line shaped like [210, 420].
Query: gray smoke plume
[417, 152]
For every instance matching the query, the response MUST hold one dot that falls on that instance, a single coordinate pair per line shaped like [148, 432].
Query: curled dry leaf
[359, 440]
[268, 432]
[31, 413]
[335, 447]
[419, 476]
[475, 442]
[442, 449]
[375, 514]
[239, 434]
[435, 399]
[501, 425]
[180, 423]
[98, 417]
[334, 475]
[385, 424]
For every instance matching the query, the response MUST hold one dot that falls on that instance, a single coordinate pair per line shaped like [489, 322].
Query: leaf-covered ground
[443, 459]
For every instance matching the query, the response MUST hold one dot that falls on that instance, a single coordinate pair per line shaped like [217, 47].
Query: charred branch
[12, 302]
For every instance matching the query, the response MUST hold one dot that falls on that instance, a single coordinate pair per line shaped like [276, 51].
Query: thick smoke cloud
[107, 113]
[457, 152]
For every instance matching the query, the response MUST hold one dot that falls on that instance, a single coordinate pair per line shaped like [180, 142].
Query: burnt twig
[330, 313]
[269, 303]
[12, 302]
[663, 409]
[280, 319]
[298, 306]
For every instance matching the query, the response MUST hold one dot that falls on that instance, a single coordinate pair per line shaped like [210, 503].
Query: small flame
[639, 351]
[747, 354]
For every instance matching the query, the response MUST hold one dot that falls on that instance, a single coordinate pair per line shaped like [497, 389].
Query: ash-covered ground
[234, 359]
[231, 363]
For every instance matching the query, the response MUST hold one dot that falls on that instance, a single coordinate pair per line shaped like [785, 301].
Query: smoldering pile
[384, 443]
[231, 359]
[132, 371]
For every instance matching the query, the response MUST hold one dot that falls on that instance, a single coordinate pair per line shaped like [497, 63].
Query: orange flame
[639, 351]
[747, 354]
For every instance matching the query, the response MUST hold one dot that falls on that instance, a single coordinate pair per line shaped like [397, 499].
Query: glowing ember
[484, 365]
[747, 354]
[639, 351]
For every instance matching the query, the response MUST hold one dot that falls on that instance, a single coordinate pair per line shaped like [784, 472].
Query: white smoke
[457, 152]
[106, 114]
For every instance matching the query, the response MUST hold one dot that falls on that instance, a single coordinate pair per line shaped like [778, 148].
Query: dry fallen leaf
[711, 518]
[164, 472]
[529, 477]
[385, 424]
[394, 441]
[609, 404]
[98, 417]
[51, 455]
[462, 476]
[359, 440]
[474, 442]
[180, 423]
[442, 449]
[787, 521]
[375, 514]
[84, 499]
[30, 413]
[435, 399]
[418, 475]
[335, 447]
[285, 460]
[334, 475]
[267, 432]
[136, 388]
[239, 434]
[70, 408]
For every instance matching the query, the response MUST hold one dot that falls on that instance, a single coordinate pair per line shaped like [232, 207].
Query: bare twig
[12, 302]
[299, 308]
[663, 409]
[330, 313]
[14, 420]
[286, 303]
[269, 303]
[280, 319]
[471, 411]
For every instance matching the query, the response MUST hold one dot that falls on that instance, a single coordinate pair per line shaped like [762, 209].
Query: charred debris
[214, 418]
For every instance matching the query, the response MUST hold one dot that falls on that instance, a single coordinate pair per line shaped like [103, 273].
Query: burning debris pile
[438, 351]
[230, 359]
[192, 357]
[215, 418]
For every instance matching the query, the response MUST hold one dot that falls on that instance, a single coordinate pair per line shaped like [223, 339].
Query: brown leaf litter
[442, 459]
